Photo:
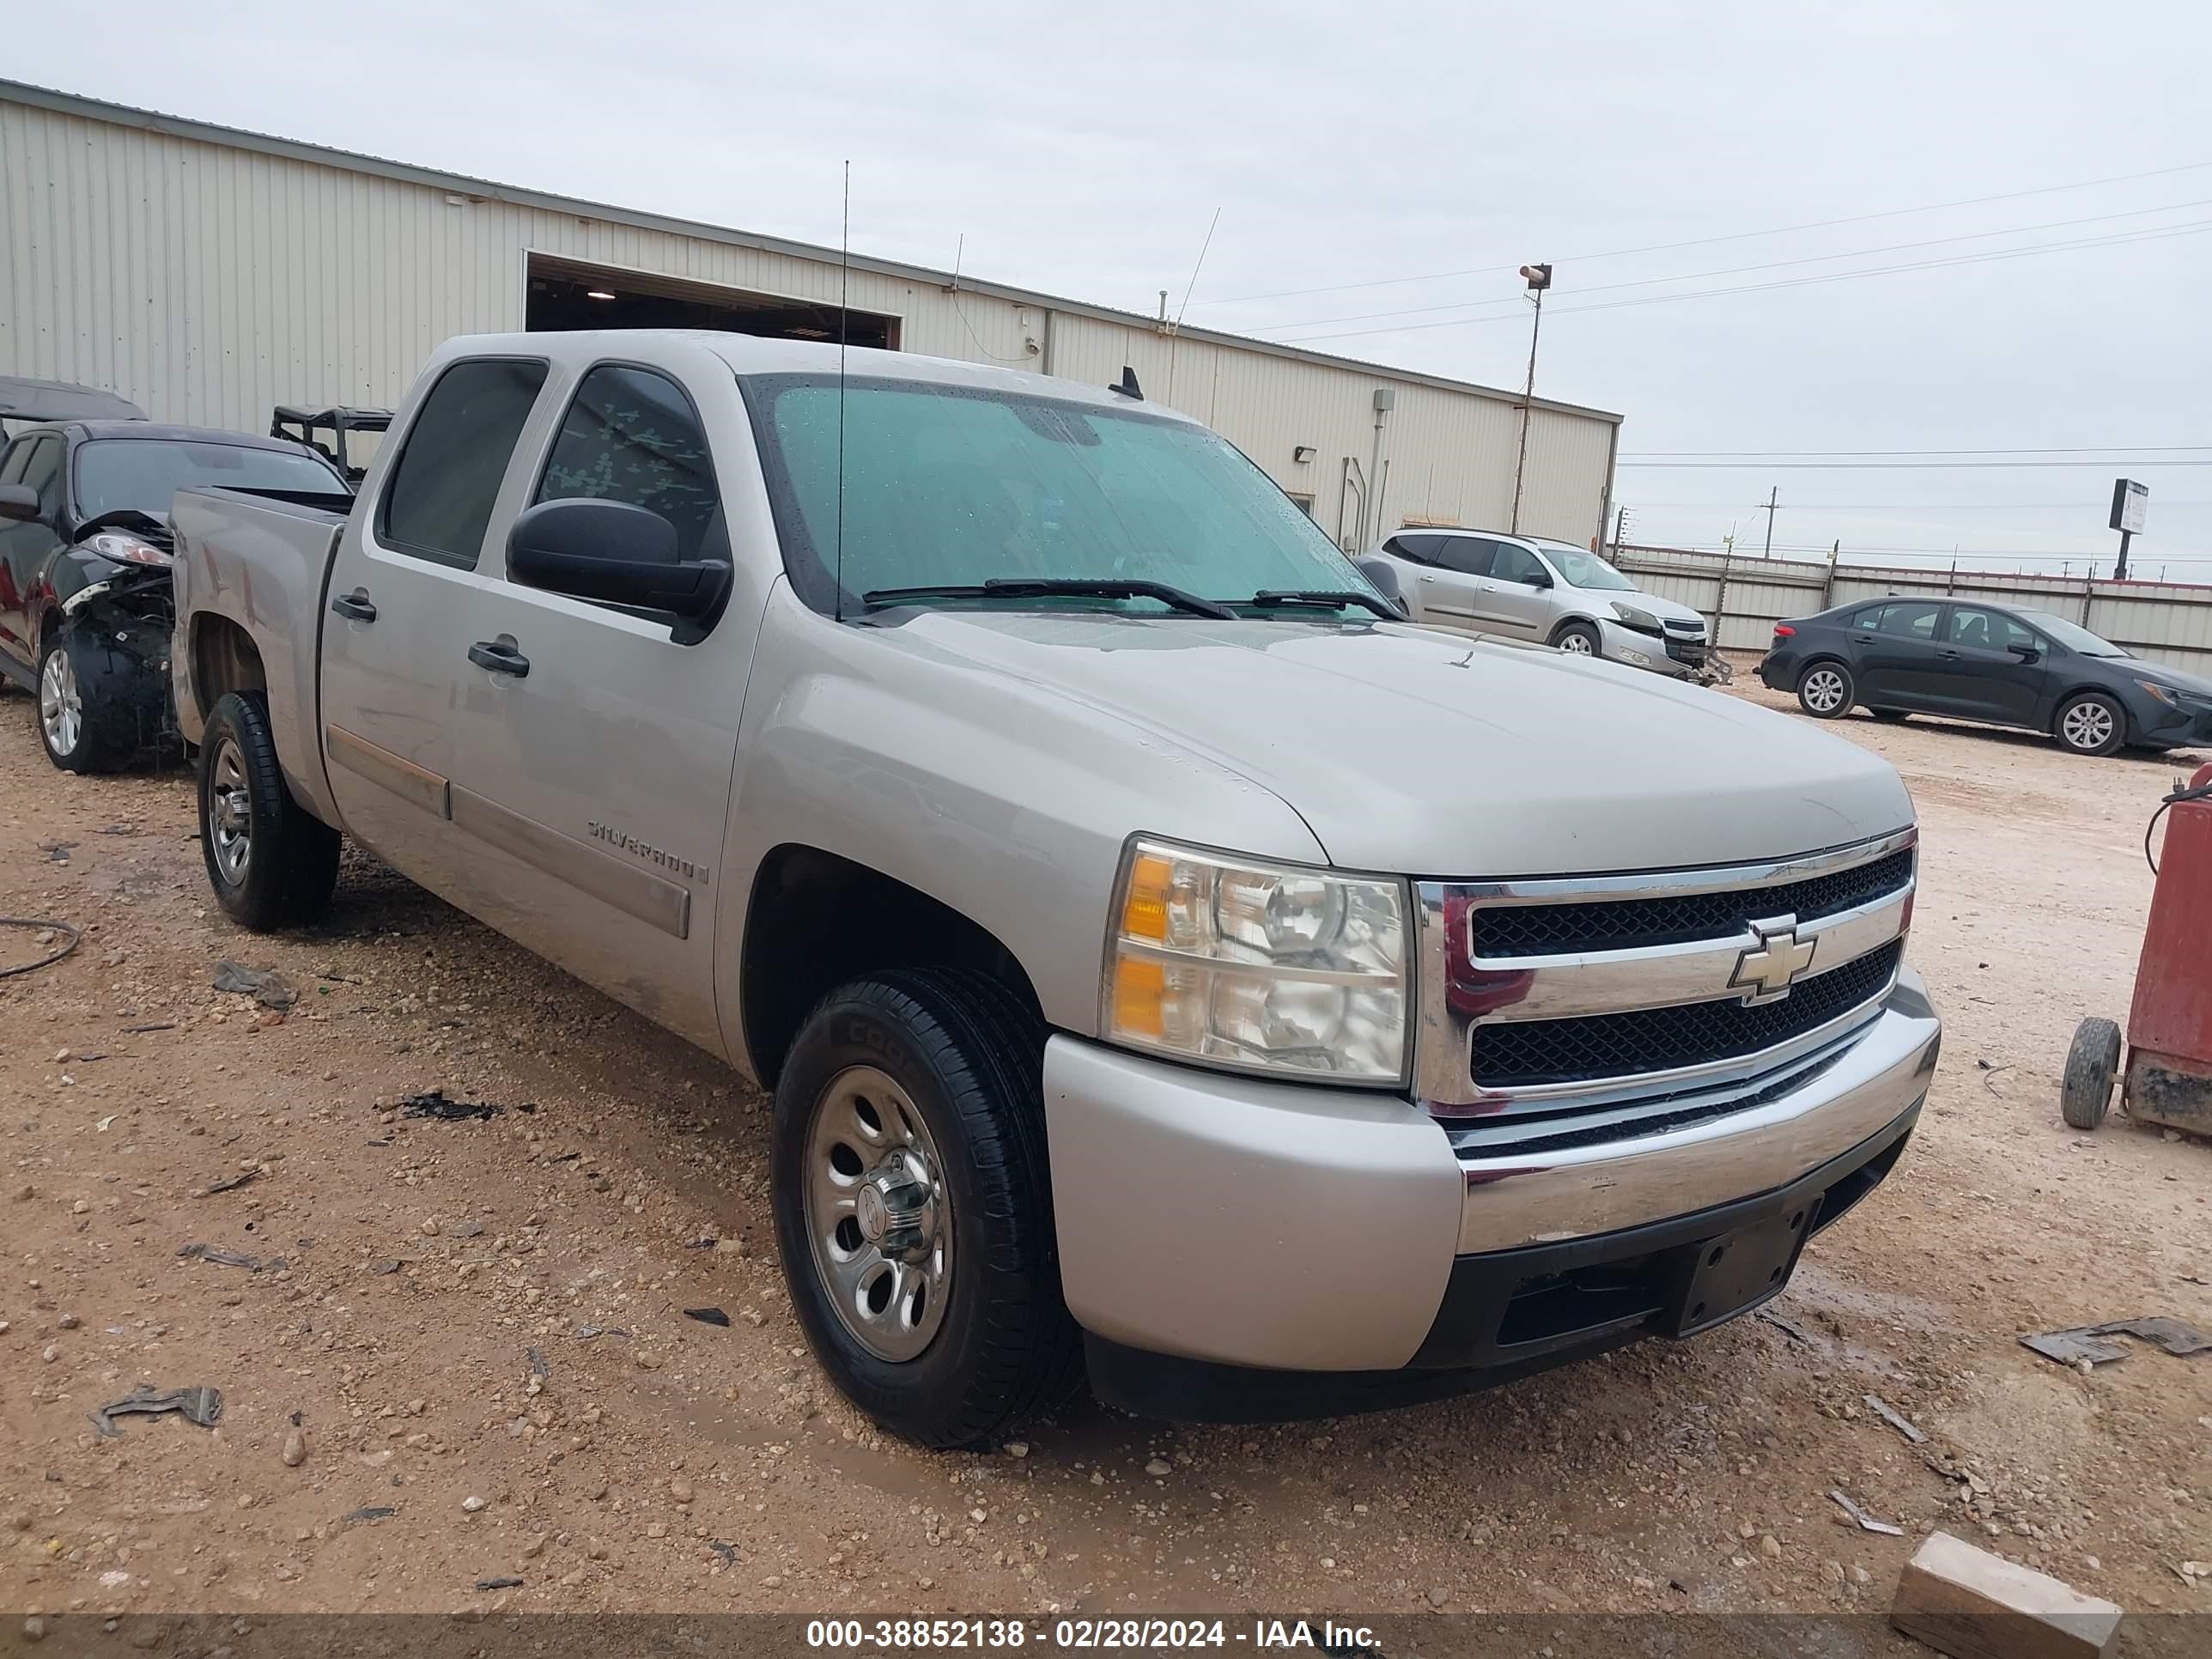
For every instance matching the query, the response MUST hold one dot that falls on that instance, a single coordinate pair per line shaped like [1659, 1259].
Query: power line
[1900, 507]
[1737, 236]
[2194, 228]
[1775, 455]
[1771, 265]
[1884, 466]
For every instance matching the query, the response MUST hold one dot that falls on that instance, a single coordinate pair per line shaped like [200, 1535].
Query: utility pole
[1619, 529]
[1539, 277]
[1773, 500]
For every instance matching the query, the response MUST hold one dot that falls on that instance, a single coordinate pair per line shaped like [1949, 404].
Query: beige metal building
[207, 274]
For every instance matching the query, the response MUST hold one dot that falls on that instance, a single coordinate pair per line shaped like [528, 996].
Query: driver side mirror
[1539, 578]
[614, 552]
[19, 502]
[1384, 575]
[2026, 653]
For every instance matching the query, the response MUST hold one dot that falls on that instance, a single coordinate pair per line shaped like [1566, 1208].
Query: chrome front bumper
[1287, 1227]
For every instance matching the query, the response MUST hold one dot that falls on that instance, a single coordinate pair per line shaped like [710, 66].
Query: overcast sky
[1349, 151]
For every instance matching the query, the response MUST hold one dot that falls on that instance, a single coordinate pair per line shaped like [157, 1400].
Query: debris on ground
[1866, 1523]
[2080, 1345]
[231, 1183]
[503, 1582]
[46, 936]
[1965, 1602]
[264, 985]
[468, 1230]
[158, 1026]
[253, 1264]
[1788, 1327]
[434, 1104]
[363, 1516]
[708, 1317]
[539, 1368]
[1896, 1418]
[727, 1552]
[200, 1404]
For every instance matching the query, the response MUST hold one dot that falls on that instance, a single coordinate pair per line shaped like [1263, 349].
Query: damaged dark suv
[85, 605]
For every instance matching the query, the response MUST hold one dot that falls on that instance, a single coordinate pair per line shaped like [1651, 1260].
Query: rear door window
[1913, 619]
[632, 436]
[438, 503]
[1418, 550]
[1467, 555]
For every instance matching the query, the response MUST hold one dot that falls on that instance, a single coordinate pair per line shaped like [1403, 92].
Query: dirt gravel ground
[474, 1363]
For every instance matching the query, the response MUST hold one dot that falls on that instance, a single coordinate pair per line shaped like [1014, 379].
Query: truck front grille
[1537, 930]
[1595, 1048]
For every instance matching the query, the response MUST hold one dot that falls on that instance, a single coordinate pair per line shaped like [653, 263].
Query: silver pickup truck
[1166, 962]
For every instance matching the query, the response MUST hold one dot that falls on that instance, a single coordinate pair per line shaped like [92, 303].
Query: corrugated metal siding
[1743, 597]
[208, 282]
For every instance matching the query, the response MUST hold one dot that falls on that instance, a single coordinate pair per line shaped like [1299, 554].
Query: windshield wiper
[1332, 599]
[1033, 587]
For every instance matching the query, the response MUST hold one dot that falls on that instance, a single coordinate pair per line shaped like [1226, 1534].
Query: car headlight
[1636, 617]
[2165, 694]
[1264, 967]
[125, 548]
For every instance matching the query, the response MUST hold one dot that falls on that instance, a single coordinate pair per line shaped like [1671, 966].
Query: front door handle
[1950, 656]
[354, 606]
[500, 658]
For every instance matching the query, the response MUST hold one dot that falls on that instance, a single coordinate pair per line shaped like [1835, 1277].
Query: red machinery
[2168, 1080]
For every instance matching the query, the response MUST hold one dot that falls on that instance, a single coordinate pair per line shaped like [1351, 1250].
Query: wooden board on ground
[1967, 1602]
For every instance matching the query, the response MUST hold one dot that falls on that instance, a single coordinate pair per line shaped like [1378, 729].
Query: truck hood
[1423, 753]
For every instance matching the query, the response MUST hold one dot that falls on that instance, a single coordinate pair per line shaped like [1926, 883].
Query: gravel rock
[295, 1451]
[472, 1504]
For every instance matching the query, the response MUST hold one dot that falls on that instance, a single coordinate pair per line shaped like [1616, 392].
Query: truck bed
[258, 561]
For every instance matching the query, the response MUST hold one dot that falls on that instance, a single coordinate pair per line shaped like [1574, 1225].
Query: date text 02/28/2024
[1123, 1634]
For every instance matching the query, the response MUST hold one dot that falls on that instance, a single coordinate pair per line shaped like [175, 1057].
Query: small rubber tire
[2092, 1066]
[291, 863]
[111, 687]
[1894, 716]
[969, 1055]
[2098, 737]
[1588, 644]
[1825, 690]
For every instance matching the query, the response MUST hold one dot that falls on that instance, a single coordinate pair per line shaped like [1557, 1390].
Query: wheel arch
[816, 919]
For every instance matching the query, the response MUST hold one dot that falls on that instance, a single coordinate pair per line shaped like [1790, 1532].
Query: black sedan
[85, 601]
[1992, 663]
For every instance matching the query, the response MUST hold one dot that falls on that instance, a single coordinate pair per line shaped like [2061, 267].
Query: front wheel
[913, 1209]
[1825, 691]
[2085, 1090]
[2091, 724]
[270, 863]
[1576, 640]
[88, 700]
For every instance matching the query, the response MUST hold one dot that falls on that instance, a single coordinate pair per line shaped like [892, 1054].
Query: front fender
[1006, 800]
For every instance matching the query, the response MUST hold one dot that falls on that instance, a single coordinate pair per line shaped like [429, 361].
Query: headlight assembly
[1636, 616]
[1257, 966]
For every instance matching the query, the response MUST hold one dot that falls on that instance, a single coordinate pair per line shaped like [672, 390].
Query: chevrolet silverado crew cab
[1165, 961]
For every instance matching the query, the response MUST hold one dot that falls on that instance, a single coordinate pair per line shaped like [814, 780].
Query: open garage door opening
[565, 294]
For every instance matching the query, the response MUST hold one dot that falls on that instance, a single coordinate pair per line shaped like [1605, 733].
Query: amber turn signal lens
[1145, 913]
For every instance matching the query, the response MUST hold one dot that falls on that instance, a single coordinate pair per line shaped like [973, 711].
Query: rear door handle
[354, 606]
[500, 658]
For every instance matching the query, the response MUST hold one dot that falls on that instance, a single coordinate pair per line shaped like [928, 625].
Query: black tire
[1577, 639]
[2092, 1064]
[93, 701]
[1825, 690]
[968, 1056]
[1894, 716]
[2090, 724]
[284, 873]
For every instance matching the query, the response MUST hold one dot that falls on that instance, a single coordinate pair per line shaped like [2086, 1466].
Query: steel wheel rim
[61, 705]
[878, 1218]
[2088, 726]
[230, 811]
[1824, 689]
[1574, 645]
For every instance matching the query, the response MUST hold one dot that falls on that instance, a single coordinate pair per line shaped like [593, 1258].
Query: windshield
[145, 472]
[1586, 570]
[954, 485]
[2072, 635]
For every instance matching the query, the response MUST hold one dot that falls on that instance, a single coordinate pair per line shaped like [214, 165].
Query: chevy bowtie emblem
[1765, 972]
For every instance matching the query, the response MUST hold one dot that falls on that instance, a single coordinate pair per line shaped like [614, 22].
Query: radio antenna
[844, 330]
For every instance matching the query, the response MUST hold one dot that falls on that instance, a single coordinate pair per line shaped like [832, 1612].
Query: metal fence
[1744, 596]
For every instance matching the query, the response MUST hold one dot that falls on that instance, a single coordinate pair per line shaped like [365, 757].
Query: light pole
[1539, 277]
